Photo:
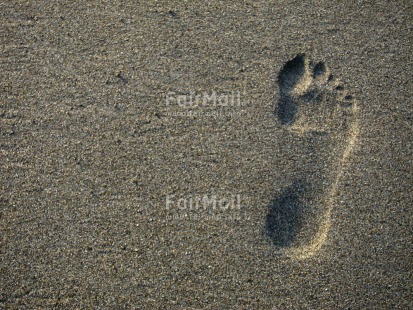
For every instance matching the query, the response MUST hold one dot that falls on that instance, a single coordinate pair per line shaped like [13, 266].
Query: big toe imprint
[316, 110]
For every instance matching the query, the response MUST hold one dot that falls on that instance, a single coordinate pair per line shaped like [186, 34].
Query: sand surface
[307, 151]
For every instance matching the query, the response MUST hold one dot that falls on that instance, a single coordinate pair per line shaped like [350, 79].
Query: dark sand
[90, 150]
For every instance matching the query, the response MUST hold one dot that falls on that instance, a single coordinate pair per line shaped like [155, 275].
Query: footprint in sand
[319, 114]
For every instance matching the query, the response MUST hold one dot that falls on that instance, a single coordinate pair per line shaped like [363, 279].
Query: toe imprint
[310, 97]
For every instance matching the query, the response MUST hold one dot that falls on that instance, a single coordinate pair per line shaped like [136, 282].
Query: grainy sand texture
[206, 155]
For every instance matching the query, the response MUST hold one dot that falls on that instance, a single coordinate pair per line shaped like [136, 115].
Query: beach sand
[111, 160]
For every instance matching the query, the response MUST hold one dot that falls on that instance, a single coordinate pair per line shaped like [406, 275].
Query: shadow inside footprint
[284, 217]
[291, 74]
[287, 108]
[289, 77]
